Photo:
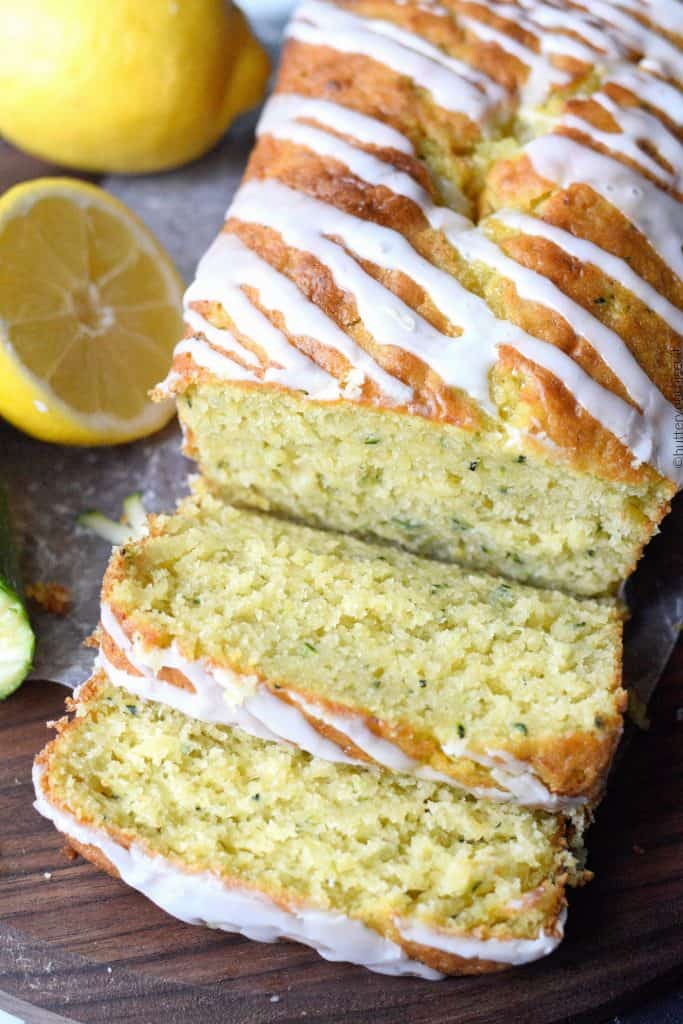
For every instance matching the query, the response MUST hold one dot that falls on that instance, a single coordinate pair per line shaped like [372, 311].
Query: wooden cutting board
[82, 945]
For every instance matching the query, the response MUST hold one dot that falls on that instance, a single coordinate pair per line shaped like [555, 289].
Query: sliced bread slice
[220, 828]
[363, 653]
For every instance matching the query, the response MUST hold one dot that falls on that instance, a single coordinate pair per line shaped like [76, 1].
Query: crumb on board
[53, 598]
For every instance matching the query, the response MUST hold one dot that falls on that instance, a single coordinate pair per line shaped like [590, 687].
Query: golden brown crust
[94, 855]
[114, 654]
[118, 659]
[314, 279]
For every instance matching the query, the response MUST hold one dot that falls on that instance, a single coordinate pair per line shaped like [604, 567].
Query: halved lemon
[90, 310]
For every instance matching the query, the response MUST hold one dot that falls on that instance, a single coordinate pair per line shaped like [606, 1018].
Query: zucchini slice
[17, 640]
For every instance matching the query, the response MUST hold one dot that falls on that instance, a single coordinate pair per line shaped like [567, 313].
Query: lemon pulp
[90, 309]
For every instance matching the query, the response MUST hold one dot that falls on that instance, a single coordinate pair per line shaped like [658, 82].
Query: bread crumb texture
[469, 656]
[372, 845]
[433, 488]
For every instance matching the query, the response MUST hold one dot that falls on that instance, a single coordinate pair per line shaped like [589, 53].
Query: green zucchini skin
[17, 639]
[9, 559]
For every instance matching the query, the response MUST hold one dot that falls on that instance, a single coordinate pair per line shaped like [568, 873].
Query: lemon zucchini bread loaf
[446, 304]
[364, 653]
[220, 828]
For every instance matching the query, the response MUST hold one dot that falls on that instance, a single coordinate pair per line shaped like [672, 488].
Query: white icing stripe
[588, 252]
[504, 953]
[651, 437]
[454, 85]
[516, 778]
[355, 726]
[636, 126]
[235, 700]
[608, 409]
[365, 166]
[228, 265]
[207, 358]
[534, 287]
[321, 12]
[581, 24]
[370, 130]
[260, 713]
[654, 47]
[517, 781]
[287, 365]
[220, 695]
[204, 898]
[303, 222]
[664, 13]
[660, 95]
[220, 338]
[656, 214]
[542, 73]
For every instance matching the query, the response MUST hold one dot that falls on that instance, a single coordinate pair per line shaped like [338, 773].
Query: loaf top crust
[468, 212]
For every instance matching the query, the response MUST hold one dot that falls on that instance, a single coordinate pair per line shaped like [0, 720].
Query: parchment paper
[50, 486]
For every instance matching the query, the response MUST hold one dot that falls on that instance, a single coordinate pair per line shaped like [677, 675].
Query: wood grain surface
[75, 943]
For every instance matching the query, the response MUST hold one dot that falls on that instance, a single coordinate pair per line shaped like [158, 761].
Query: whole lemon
[124, 86]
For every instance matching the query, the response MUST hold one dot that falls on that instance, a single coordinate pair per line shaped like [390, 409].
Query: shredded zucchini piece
[132, 526]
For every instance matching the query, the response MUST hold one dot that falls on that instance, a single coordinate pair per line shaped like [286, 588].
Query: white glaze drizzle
[227, 266]
[651, 90]
[650, 436]
[204, 898]
[286, 364]
[608, 31]
[542, 73]
[369, 130]
[366, 166]
[223, 340]
[304, 222]
[221, 695]
[455, 86]
[655, 48]
[232, 699]
[419, 933]
[658, 215]
[588, 252]
[636, 126]
[664, 13]
[281, 121]
[544, 16]
[218, 364]
[517, 780]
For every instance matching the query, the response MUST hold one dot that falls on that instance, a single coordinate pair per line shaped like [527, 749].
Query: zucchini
[133, 526]
[17, 640]
[107, 529]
